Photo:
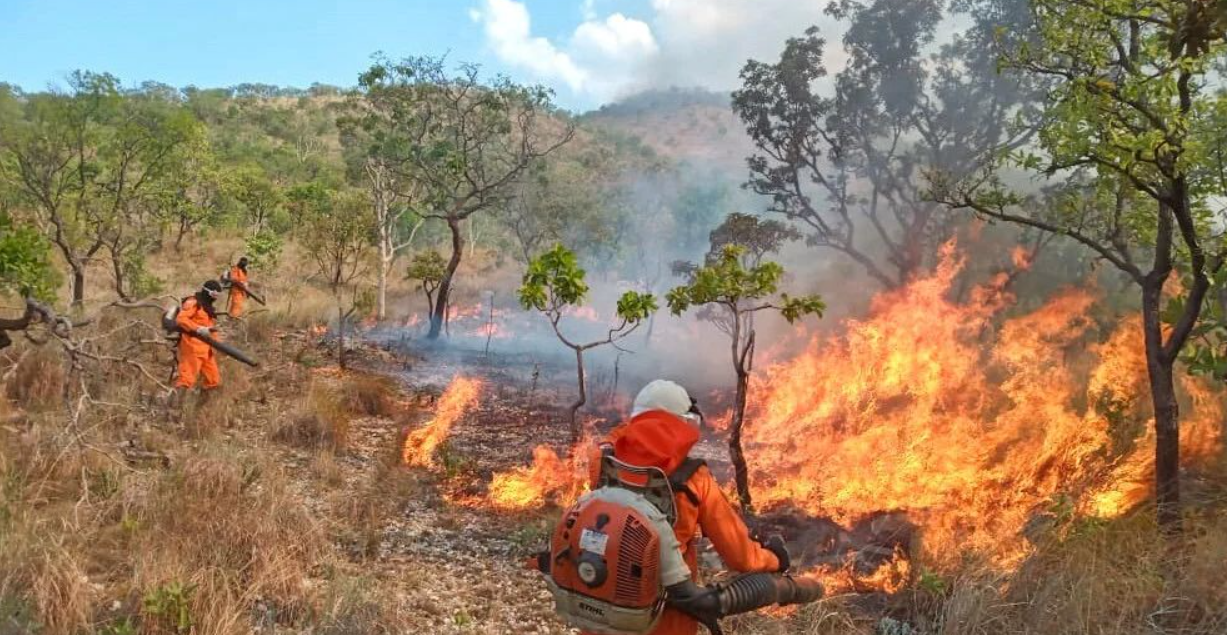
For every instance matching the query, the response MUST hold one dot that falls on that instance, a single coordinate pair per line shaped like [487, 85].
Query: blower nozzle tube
[744, 594]
[756, 590]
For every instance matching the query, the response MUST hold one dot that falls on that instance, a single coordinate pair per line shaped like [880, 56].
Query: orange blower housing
[604, 568]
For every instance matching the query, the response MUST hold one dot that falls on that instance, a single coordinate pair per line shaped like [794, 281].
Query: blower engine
[614, 563]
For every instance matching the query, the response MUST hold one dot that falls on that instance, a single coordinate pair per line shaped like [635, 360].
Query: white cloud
[600, 57]
[508, 31]
[683, 43]
[616, 38]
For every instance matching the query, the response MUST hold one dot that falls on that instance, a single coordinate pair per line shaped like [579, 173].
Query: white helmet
[663, 394]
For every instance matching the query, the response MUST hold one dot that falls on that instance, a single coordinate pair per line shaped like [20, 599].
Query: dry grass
[225, 527]
[370, 395]
[321, 420]
[1097, 578]
[326, 468]
[213, 540]
[37, 383]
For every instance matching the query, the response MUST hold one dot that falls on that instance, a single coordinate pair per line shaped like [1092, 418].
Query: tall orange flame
[928, 406]
[420, 445]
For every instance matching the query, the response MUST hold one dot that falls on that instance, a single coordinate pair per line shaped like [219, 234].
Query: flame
[459, 397]
[456, 312]
[891, 576]
[1022, 257]
[938, 407]
[493, 330]
[1120, 387]
[549, 478]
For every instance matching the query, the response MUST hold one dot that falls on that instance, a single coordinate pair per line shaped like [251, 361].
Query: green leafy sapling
[555, 281]
[735, 286]
[428, 268]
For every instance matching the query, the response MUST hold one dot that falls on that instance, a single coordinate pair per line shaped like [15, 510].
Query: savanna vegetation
[1087, 133]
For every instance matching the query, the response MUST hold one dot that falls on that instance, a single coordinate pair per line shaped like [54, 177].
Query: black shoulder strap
[679, 477]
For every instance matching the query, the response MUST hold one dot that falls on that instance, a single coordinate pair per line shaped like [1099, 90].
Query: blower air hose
[225, 348]
[746, 593]
[756, 590]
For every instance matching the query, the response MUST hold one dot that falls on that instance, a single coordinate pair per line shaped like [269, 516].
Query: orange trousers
[237, 298]
[191, 366]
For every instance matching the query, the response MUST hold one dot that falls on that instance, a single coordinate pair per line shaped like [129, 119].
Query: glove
[202, 331]
[775, 545]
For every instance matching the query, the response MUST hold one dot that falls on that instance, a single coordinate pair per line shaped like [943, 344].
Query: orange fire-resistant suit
[195, 356]
[237, 295]
[659, 439]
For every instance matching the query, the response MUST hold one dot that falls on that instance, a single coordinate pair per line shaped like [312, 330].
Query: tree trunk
[741, 471]
[1167, 411]
[78, 284]
[340, 335]
[383, 221]
[184, 228]
[119, 276]
[445, 285]
[381, 282]
[583, 395]
[742, 350]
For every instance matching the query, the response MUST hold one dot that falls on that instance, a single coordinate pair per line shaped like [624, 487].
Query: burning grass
[970, 425]
[549, 479]
[420, 445]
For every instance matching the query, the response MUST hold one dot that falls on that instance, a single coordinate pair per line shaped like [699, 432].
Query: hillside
[687, 125]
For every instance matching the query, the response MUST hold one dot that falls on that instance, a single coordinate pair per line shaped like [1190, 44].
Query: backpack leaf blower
[244, 288]
[171, 326]
[614, 563]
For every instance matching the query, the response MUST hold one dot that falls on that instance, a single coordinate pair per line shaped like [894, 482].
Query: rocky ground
[447, 562]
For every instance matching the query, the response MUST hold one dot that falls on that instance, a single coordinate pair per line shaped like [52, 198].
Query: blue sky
[589, 51]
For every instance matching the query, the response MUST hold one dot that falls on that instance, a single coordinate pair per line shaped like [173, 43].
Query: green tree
[335, 228]
[262, 200]
[848, 164]
[371, 156]
[1128, 120]
[427, 268]
[456, 141]
[578, 196]
[555, 281]
[25, 261]
[82, 158]
[198, 194]
[737, 288]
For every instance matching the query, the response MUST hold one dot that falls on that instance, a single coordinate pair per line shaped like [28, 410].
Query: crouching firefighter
[622, 560]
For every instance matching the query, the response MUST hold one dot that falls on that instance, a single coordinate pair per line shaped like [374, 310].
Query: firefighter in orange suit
[237, 273]
[664, 426]
[196, 358]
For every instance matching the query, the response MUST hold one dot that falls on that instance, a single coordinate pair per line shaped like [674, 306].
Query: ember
[459, 397]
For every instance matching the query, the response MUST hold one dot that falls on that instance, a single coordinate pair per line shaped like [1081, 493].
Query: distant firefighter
[237, 277]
